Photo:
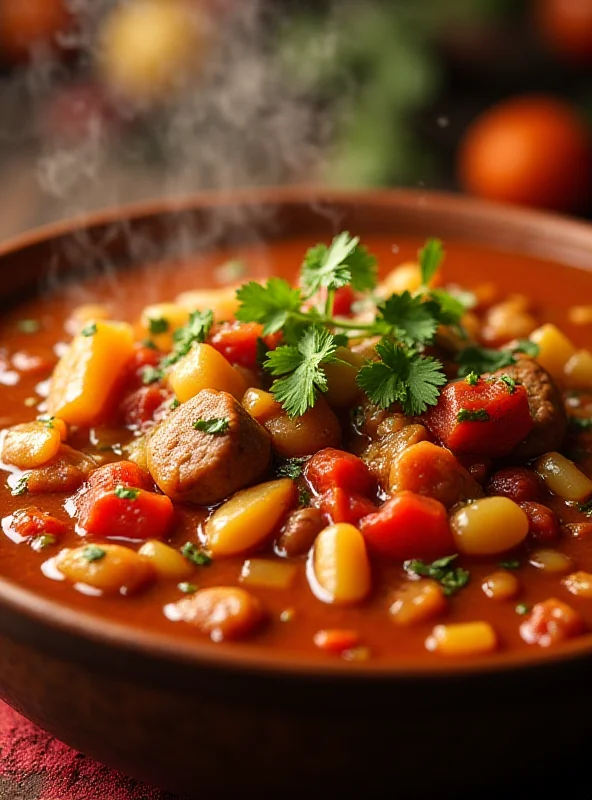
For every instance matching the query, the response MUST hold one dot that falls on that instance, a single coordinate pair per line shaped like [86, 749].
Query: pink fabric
[34, 766]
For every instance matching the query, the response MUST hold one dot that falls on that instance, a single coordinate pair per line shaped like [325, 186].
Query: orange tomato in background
[25, 23]
[566, 26]
[531, 150]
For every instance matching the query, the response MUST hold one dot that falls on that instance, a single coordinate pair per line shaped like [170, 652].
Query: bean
[462, 639]
[562, 477]
[110, 568]
[339, 571]
[168, 563]
[501, 585]
[489, 526]
[299, 532]
[221, 612]
[417, 601]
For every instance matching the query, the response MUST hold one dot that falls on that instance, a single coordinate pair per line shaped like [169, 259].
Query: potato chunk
[31, 444]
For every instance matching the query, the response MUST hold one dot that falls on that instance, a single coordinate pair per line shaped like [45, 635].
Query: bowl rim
[246, 657]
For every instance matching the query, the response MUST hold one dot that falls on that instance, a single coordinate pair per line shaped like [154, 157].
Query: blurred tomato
[566, 25]
[24, 23]
[531, 150]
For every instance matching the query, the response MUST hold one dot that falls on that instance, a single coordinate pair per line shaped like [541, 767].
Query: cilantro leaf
[450, 578]
[301, 369]
[215, 426]
[291, 468]
[450, 308]
[151, 374]
[126, 492]
[89, 330]
[158, 325]
[93, 553]
[195, 332]
[402, 376]
[21, 486]
[527, 347]
[344, 261]
[485, 359]
[270, 305]
[196, 555]
[430, 258]
[472, 415]
[411, 319]
[472, 379]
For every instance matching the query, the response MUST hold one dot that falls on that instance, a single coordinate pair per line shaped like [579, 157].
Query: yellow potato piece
[83, 379]
[31, 444]
[168, 563]
[222, 302]
[562, 477]
[555, 350]
[110, 568]
[268, 574]
[489, 526]
[244, 522]
[174, 317]
[462, 639]
[343, 391]
[340, 566]
[578, 370]
[205, 368]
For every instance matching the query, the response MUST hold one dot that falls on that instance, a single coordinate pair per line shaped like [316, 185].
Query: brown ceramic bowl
[206, 721]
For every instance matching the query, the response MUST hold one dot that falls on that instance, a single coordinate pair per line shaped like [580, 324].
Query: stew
[384, 455]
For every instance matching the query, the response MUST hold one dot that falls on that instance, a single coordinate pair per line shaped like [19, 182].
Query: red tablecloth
[34, 766]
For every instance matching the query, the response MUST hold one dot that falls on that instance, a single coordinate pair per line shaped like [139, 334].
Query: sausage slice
[199, 467]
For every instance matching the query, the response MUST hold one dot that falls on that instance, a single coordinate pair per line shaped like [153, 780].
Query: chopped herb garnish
[47, 421]
[195, 332]
[485, 359]
[291, 468]
[89, 330]
[577, 424]
[43, 541]
[585, 508]
[126, 492]
[472, 379]
[175, 403]
[187, 588]
[215, 426]
[409, 318]
[271, 304]
[196, 555]
[450, 578]
[149, 344]
[158, 325]
[304, 496]
[510, 383]
[21, 486]
[28, 325]
[93, 553]
[430, 258]
[151, 374]
[344, 262]
[522, 609]
[402, 376]
[511, 563]
[472, 415]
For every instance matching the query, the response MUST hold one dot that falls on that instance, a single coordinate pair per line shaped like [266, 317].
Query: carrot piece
[486, 418]
[330, 468]
[32, 521]
[336, 640]
[338, 505]
[138, 516]
[409, 526]
[237, 341]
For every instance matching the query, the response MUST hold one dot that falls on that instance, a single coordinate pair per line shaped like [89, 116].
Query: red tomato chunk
[551, 622]
[141, 405]
[517, 483]
[343, 301]
[29, 522]
[409, 526]
[338, 505]
[481, 419]
[331, 468]
[237, 342]
[542, 521]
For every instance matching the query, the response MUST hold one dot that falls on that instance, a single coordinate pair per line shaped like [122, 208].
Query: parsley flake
[196, 555]
[126, 492]
[472, 415]
[93, 553]
[343, 262]
[195, 332]
[402, 376]
[216, 426]
[47, 421]
[522, 609]
[450, 578]
[472, 379]
[511, 563]
[510, 383]
[158, 325]
[151, 374]
[89, 330]
[186, 587]
[21, 486]
[304, 496]
[291, 468]
[175, 403]
[42, 541]
[301, 370]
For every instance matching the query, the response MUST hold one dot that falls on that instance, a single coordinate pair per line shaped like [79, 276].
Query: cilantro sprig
[450, 578]
[485, 359]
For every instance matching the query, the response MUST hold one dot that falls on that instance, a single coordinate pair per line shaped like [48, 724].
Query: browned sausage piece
[299, 532]
[546, 408]
[380, 455]
[65, 472]
[196, 466]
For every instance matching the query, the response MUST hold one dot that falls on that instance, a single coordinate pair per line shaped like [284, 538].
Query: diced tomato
[140, 405]
[32, 521]
[506, 417]
[409, 526]
[134, 369]
[336, 640]
[551, 622]
[343, 301]
[330, 468]
[237, 341]
[118, 473]
[339, 505]
[542, 521]
[143, 515]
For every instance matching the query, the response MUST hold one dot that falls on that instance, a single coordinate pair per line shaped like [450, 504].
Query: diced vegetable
[110, 568]
[140, 406]
[299, 532]
[562, 477]
[578, 370]
[65, 472]
[343, 391]
[168, 563]
[84, 377]
[204, 368]
[224, 613]
[409, 526]
[238, 342]
[424, 468]
[579, 583]
[248, 519]
[336, 640]
[340, 572]
[551, 622]
[222, 301]
[268, 574]
[415, 602]
[394, 435]
[84, 315]
[518, 483]
[31, 444]
[160, 320]
[343, 300]
[552, 561]
[462, 639]
[29, 522]
[501, 585]
[489, 526]
[555, 350]
[330, 468]
[481, 419]
[341, 505]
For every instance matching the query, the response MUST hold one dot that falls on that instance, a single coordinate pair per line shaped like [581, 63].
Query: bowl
[207, 721]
